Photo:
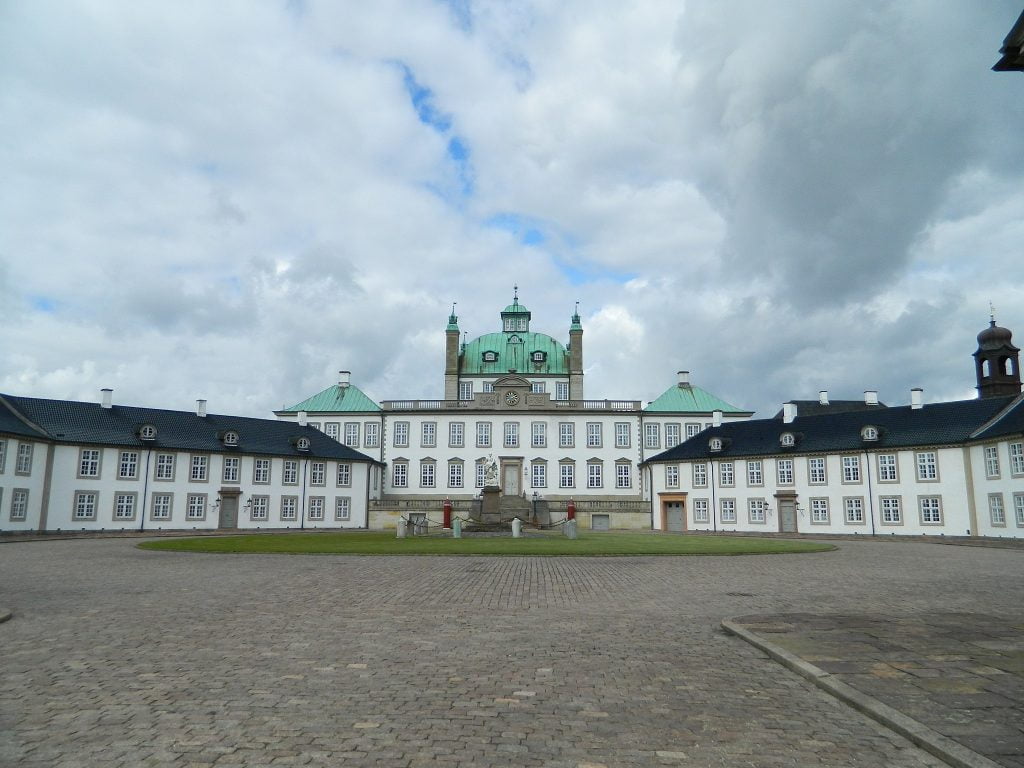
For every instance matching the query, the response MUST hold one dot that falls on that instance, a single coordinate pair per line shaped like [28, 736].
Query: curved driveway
[120, 657]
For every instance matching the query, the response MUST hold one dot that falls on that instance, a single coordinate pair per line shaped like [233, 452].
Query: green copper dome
[525, 353]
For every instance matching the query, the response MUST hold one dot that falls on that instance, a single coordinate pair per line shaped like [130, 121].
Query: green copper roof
[514, 355]
[515, 308]
[335, 399]
[689, 399]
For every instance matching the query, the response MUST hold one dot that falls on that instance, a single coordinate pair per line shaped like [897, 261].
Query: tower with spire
[997, 361]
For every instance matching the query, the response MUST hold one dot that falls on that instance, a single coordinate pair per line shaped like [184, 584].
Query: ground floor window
[289, 507]
[316, 508]
[19, 504]
[931, 510]
[891, 512]
[854, 510]
[755, 509]
[342, 508]
[162, 506]
[124, 506]
[996, 512]
[700, 511]
[260, 507]
[819, 511]
[728, 510]
[196, 507]
[85, 505]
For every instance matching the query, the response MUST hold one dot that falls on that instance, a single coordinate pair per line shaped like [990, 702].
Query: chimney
[870, 397]
[344, 377]
[917, 398]
[201, 409]
[108, 397]
[823, 397]
[716, 418]
[302, 419]
[788, 413]
[684, 379]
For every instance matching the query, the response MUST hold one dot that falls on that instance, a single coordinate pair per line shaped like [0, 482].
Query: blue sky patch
[422, 99]
[529, 231]
[43, 304]
[580, 272]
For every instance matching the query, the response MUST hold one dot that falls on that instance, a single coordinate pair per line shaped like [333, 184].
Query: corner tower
[451, 357]
[576, 356]
[997, 362]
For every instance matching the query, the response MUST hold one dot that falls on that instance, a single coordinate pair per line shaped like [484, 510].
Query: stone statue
[491, 472]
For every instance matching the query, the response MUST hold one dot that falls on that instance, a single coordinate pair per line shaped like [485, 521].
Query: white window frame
[623, 474]
[342, 508]
[85, 505]
[259, 510]
[350, 434]
[195, 507]
[165, 466]
[622, 434]
[727, 511]
[671, 475]
[890, 510]
[1016, 459]
[289, 508]
[927, 466]
[784, 472]
[232, 469]
[401, 434]
[817, 470]
[673, 432]
[701, 511]
[89, 462]
[566, 434]
[561, 390]
[261, 471]
[480, 473]
[400, 474]
[511, 433]
[23, 462]
[428, 434]
[316, 508]
[930, 509]
[456, 434]
[199, 468]
[162, 507]
[726, 474]
[755, 473]
[539, 474]
[595, 474]
[996, 510]
[566, 474]
[756, 511]
[1018, 509]
[371, 434]
[851, 469]
[483, 434]
[332, 429]
[465, 390]
[652, 435]
[991, 454]
[290, 472]
[125, 503]
[853, 510]
[318, 473]
[594, 434]
[819, 511]
[888, 468]
[456, 473]
[538, 434]
[19, 505]
[344, 474]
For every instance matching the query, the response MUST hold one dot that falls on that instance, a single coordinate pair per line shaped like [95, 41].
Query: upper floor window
[456, 434]
[371, 434]
[692, 430]
[816, 471]
[231, 464]
[623, 475]
[352, 434]
[483, 434]
[465, 390]
[593, 434]
[851, 469]
[1016, 459]
[566, 434]
[784, 471]
[165, 466]
[538, 387]
[726, 475]
[622, 434]
[715, 444]
[23, 463]
[672, 435]
[652, 435]
[428, 436]
[700, 475]
[927, 465]
[755, 473]
[991, 461]
[511, 434]
[887, 468]
[128, 465]
[561, 390]
[302, 443]
[261, 471]
[538, 434]
[332, 429]
[671, 475]
[199, 468]
[401, 434]
[89, 463]
[317, 473]
[3, 455]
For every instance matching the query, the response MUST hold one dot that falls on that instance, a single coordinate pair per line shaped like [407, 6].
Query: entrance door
[228, 512]
[511, 478]
[674, 516]
[787, 515]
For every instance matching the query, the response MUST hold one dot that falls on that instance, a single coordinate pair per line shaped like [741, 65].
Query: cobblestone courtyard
[120, 657]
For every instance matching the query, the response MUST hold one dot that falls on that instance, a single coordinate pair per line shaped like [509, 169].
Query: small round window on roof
[147, 432]
[715, 444]
[787, 439]
[869, 433]
[230, 437]
[302, 444]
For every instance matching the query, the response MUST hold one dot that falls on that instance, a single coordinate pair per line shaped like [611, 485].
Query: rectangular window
[332, 430]
[231, 467]
[342, 508]
[428, 434]
[352, 434]
[566, 434]
[927, 466]
[199, 468]
[819, 511]
[538, 388]
[85, 505]
[483, 434]
[455, 474]
[700, 511]
[816, 471]
[165, 466]
[755, 509]
[652, 435]
[23, 464]
[290, 472]
[427, 474]
[162, 506]
[19, 504]
[511, 434]
[481, 473]
[594, 475]
[371, 434]
[456, 434]
[692, 430]
[400, 474]
[289, 507]
[317, 473]
[261, 471]
[593, 434]
[465, 390]
[622, 434]
[892, 513]
[728, 510]
[726, 475]
[672, 432]
[887, 469]
[567, 475]
[538, 434]
[196, 507]
[88, 462]
[996, 512]
[561, 390]
[931, 510]
[401, 434]
[991, 461]
[1017, 459]
[784, 471]
[539, 474]
[344, 474]
[755, 473]
[316, 508]
[1018, 509]
[854, 509]
[851, 469]
[671, 475]
[700, 475]
[260, 509]
[488, 387]
[124, 506]
[623, 476]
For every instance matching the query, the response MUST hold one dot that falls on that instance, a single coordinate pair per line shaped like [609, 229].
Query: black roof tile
[75, 422]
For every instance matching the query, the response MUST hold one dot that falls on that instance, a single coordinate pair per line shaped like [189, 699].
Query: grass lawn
[386, 543]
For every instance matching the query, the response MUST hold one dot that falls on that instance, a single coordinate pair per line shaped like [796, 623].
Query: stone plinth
[490, 507]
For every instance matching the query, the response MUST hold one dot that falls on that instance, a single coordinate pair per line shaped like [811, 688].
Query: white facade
[23, 463]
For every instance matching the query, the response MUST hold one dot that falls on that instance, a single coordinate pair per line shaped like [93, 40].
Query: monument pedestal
[490, 507]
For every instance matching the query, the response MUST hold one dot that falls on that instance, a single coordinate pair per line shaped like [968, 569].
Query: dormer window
[230, 437]
[539, 357]
[490, 357]
[302, 443]
[869, 433]
[715, 444]
[147, 432]
[787, 439]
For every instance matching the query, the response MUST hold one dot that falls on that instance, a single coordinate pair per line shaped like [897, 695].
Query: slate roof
[68, 421]
[335, 398]
[1010, 423]
[901, 427]
[816, 408]
[690, 399]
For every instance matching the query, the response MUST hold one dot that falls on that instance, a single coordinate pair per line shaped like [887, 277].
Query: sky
[235, 200]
